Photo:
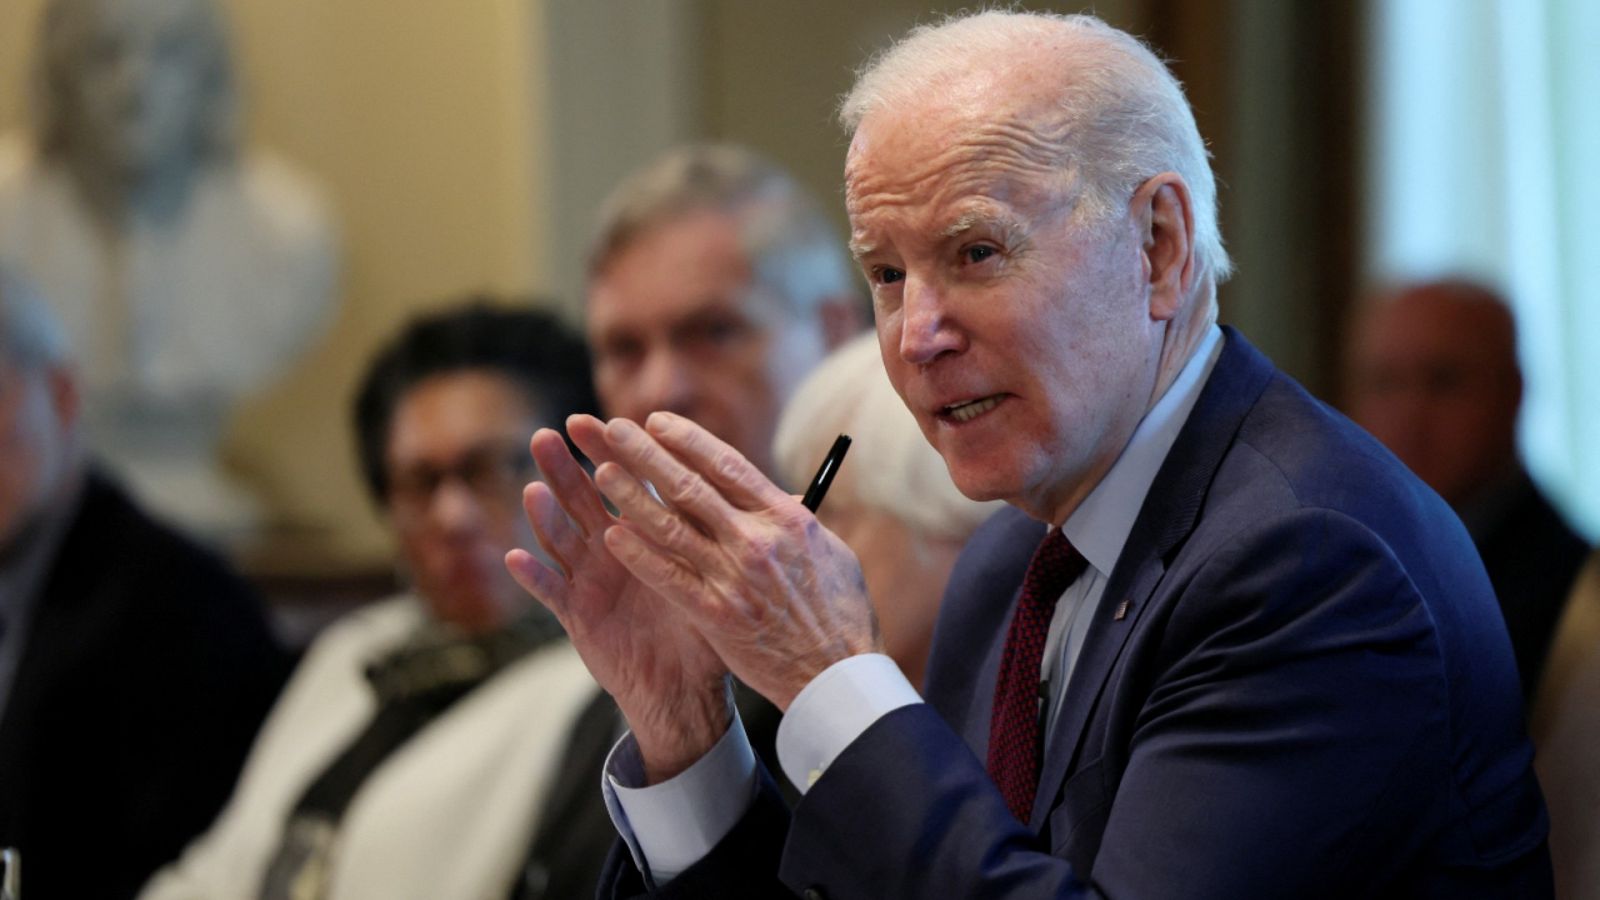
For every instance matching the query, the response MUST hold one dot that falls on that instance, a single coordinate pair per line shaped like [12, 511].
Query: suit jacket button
[812, 893]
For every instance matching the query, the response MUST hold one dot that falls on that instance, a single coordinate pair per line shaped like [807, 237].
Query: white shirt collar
[1099, 527]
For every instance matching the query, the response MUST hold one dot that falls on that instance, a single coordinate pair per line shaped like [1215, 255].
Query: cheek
[753, 384]
[616, 393]
[419, 548]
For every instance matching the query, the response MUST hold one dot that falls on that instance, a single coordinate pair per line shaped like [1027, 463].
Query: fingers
[684, 489]
[555, 530]
[667, 575]
[588, 433]
[546, 585]
[661, 525]
[735, 477]
[568, 482]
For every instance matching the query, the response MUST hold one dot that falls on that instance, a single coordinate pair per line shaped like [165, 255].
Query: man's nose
[927, 330]
[454, 507]
[665, 383]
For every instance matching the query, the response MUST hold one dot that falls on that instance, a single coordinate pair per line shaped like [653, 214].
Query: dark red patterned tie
[1014, 727]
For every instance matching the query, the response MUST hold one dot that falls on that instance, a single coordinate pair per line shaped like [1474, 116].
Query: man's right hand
[669, 684]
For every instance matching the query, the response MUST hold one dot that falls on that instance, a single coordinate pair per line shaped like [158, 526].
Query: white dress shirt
[670, 826]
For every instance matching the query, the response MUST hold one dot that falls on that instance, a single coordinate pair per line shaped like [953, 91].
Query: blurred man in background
[715, 285]
[1434, 376]
[134, 667]
[421, 748]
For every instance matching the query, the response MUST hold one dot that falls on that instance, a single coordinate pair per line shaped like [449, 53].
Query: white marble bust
[187, 270]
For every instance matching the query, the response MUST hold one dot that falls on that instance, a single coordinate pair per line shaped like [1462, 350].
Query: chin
[980, 482]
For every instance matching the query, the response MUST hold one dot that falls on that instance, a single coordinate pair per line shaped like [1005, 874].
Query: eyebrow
[1011, 230]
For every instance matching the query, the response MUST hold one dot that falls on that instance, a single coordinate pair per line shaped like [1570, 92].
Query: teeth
[966, 412]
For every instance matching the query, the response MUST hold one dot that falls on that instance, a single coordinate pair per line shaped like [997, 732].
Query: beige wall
[423, 123]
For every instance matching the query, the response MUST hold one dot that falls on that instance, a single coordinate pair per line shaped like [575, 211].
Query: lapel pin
[1122, 611]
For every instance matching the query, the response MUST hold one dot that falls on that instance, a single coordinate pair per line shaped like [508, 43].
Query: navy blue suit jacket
[1311, 694]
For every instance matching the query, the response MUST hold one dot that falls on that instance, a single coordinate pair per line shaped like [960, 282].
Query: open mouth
[966, 412]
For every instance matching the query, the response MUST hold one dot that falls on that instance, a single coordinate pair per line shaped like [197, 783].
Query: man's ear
[1165, 215]
[841, 319]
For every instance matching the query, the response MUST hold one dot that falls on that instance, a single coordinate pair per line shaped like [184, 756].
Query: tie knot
[1055, 564]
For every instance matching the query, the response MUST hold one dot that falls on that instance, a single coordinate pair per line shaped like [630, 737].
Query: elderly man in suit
[1223, 646]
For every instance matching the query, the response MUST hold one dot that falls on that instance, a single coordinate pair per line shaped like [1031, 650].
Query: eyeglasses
[494, 473]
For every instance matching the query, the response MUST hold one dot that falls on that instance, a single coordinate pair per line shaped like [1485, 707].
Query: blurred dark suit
[1532, 556]
[146, 670]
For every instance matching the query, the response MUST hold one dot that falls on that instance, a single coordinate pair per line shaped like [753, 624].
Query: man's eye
[977, 253]
[716, 333]
[886, 275]
[620, 352]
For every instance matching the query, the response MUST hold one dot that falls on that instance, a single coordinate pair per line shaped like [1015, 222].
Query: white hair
[795, 253]
[30, 333]
[1123, 116]
[894, 468]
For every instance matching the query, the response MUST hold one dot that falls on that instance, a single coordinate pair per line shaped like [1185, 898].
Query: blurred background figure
[134, 667]
[1565, 727]
[187, 270]
[893, 501]
[1433, 375]
[715, 285]
[420, 750]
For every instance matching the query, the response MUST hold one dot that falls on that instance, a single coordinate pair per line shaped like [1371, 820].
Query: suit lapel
[1169, 514]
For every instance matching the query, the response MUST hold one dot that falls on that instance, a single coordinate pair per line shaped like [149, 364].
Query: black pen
[824, 476]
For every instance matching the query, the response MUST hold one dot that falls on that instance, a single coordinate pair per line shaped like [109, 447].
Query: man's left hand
[776, 595]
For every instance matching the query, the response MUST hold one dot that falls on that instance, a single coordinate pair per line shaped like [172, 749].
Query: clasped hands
[718, 570]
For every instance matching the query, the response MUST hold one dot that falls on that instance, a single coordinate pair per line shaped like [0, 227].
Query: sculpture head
[129, 90]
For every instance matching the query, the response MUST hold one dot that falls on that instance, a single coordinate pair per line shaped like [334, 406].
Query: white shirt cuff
[834, 709]
[670, 826]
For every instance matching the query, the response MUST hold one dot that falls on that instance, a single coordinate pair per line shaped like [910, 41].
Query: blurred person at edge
[715, 285]
[420, 750]
[1433, 375]
[893, 504]
[135, 667]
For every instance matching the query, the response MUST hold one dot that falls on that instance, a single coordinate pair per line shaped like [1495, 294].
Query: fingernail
[622, 432]
[661, 422]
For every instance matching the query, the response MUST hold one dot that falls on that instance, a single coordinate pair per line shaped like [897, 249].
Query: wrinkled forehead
[1005, 114]
[959, 161]
[678, 271]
